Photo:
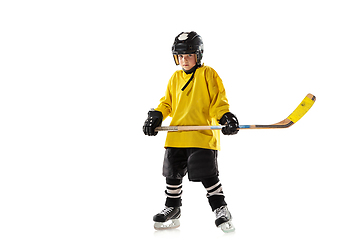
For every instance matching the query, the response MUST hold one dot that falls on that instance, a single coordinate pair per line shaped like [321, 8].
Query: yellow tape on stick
[302, 109]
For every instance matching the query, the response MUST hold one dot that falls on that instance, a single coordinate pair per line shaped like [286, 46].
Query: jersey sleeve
[218, 101]
[165, 106]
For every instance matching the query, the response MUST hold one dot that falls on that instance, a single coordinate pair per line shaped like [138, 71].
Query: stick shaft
[198, 128]
[295, 116]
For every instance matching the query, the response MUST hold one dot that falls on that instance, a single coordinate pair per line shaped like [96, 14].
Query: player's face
[187, 61]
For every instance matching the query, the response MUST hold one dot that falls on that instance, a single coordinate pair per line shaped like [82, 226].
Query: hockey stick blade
[295, 116]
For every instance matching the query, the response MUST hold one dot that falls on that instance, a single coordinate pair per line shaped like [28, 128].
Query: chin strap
[188, 82]
[192, 70]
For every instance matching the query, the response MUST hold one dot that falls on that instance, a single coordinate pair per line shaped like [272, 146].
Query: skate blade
[227, 227]
[171, 224]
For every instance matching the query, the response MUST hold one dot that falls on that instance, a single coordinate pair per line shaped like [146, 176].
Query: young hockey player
[195, 95]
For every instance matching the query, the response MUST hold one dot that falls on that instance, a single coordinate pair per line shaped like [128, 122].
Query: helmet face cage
[176, 59]
[188, 43]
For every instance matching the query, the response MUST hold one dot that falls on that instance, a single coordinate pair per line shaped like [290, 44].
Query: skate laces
[221, 211]
[167, 210]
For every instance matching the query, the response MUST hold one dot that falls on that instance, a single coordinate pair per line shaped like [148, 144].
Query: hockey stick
[295, 116]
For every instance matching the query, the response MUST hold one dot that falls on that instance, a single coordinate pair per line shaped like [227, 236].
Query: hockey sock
[215, 193]
[173, 192]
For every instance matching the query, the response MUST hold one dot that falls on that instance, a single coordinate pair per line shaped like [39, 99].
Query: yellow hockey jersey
[203, 102]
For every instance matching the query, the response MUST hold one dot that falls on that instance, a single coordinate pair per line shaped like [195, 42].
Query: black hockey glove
[231, 124]
[154, 120]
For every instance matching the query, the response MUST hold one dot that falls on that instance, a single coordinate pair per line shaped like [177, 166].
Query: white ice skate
[167, 218]
[223, 219]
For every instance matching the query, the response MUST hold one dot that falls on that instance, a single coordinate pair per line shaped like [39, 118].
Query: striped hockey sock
[173, 192]
[215, 192]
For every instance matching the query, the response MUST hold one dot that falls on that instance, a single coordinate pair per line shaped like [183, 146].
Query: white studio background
[78, 77]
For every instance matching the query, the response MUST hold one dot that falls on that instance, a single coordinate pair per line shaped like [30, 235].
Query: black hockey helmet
[188, 43]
